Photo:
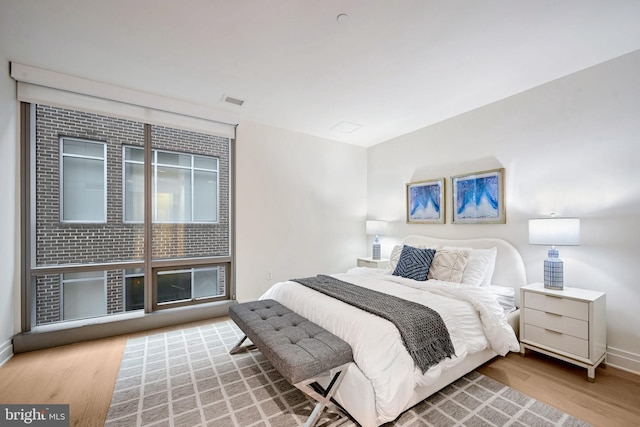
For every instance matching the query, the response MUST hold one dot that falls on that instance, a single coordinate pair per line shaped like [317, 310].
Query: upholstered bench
[300, 350]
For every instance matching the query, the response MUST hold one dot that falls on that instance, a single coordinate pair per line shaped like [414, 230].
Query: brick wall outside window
[59, 243]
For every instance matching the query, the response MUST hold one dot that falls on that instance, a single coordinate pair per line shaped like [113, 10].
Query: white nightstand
[568, 324]
[373, 263]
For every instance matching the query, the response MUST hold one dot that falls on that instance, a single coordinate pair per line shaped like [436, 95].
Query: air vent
[232, 100]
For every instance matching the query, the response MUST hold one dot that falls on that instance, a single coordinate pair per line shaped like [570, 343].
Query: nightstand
[568, 324]
[373, 263]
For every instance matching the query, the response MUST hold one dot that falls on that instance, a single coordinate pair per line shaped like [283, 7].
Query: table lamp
[554, 232]
[376, 228]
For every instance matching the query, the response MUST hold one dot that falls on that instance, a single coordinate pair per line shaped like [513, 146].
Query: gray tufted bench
[300, 350]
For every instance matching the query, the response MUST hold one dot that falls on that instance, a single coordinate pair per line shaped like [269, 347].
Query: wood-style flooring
[83, 375]
[612, 400]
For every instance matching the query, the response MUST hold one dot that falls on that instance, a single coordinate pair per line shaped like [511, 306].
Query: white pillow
[394, 257]
[480, 266]
[490, 255]
[449, 264]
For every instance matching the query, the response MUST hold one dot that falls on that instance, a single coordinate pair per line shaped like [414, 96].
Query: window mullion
[27, 205]
[193, 284]
[193, 192]
[149, 282]
[106, 186]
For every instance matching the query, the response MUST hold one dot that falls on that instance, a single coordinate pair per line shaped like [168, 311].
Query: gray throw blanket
[423, 331]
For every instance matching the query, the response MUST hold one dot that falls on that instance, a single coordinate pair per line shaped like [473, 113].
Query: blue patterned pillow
[414, 263]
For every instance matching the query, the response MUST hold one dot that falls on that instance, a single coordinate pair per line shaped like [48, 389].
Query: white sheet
[505, 296]
[472, 314]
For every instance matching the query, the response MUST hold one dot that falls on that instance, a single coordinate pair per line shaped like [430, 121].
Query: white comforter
[473, 316]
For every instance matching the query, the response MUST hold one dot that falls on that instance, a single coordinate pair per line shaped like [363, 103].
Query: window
[90, 252]
[133, 184]
[191, 284]
[175, 285]
[185, 187]
[83, 225]
[83, 181]
[134, 289]
[83, 295]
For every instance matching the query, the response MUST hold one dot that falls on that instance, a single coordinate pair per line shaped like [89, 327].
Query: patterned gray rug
[186, 378]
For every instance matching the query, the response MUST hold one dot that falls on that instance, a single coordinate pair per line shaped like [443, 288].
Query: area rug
[188, 378]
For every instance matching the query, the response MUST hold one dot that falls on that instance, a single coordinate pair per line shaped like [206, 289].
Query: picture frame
[426, 201]
[478, 198]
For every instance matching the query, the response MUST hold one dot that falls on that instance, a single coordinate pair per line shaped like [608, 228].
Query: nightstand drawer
[555, 322]
[556, 340]
[558, 305]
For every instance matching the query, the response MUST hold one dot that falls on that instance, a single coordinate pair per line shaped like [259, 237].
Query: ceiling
[390, 68]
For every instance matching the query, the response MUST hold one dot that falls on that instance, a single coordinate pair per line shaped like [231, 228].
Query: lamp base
[375, 255]
[553, 274]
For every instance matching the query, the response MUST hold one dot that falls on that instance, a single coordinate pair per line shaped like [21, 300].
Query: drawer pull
[553, 332]
[553, 314]
[553, 296]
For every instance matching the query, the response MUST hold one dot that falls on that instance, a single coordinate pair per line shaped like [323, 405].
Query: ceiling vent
[232, 100]
[346, 127]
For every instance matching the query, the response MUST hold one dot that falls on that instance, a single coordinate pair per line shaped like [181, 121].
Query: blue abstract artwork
[478, 197]
[425, 201]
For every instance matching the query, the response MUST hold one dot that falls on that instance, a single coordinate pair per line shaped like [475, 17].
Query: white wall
[571, 146]
[9, 214]
[301, 207]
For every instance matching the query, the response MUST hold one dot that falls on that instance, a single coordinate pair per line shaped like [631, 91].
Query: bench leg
[238, 347]
[323, 396]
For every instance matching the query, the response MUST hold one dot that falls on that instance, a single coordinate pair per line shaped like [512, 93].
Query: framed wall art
[478, 198]
[426, 202]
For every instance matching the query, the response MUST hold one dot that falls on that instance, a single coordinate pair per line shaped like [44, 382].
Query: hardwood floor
[83, 375]
[612, 400]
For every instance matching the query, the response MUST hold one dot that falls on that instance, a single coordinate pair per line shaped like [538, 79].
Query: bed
[480, 313]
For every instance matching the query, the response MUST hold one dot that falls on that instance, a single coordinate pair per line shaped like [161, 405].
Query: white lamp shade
[554, 231]
[376, 228]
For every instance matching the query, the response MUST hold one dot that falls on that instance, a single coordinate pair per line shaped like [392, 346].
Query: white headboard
[509, 270]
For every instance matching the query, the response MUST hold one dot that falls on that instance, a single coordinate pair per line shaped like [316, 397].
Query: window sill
[63, 333]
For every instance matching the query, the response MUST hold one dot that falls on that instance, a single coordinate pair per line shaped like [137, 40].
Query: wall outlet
[268, 275]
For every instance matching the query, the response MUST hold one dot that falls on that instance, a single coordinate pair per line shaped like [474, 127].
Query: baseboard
[624, 360]
[6, 352]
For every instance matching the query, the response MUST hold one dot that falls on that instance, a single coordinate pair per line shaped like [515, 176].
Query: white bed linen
[505, 296]
[472, 314]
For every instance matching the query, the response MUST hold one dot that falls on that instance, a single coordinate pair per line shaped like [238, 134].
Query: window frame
[31, 269]
[171, 267]
[192, 272]
[39, 86]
